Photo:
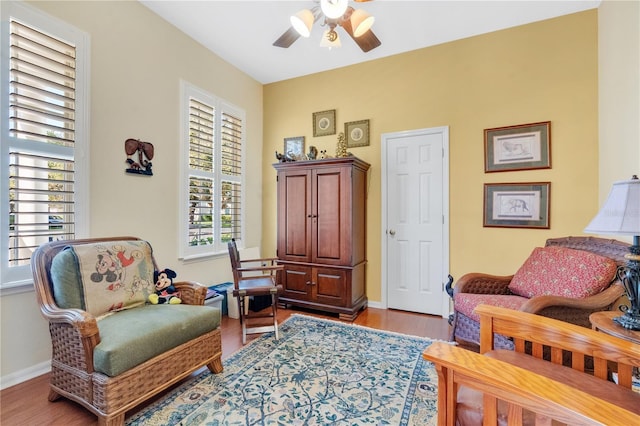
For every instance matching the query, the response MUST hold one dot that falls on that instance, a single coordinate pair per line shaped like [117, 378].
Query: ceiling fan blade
[367, 41]
[287, 39]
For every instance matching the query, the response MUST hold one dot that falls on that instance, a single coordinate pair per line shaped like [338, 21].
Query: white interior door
[415, 224]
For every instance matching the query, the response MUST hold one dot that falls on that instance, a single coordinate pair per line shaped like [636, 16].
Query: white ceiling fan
[332, 13]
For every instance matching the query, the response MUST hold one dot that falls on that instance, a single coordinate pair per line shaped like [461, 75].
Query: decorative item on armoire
[294, 148]
[313, 153]
[341, 148]
[283, 158]
[145, 155]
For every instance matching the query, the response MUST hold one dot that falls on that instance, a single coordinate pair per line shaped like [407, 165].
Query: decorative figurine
[341, 148]
[323, 154]
[284, 158]
[313, 153]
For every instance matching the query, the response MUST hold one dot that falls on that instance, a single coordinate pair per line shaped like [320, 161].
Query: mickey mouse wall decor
[145, 155]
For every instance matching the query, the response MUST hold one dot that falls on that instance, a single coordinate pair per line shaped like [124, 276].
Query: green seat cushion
[133, 336]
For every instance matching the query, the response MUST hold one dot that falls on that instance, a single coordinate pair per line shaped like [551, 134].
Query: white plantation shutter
[201, 173]
[41, 203]
[231, 194]
[231, 145]
[41, 108]
[42, 87]
[41, 126]
[214, 141]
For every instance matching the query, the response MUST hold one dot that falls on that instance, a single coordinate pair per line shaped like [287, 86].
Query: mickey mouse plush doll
[165, 291]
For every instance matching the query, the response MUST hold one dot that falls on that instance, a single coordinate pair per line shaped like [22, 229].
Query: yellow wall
[137, 61]
[545, 71]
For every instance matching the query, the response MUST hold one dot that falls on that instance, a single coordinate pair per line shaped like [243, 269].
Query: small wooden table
[603, 321]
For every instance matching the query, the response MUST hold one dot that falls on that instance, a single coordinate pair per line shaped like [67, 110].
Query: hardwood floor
[26, 404]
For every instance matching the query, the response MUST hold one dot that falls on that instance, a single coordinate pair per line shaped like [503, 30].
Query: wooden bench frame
[522, 389]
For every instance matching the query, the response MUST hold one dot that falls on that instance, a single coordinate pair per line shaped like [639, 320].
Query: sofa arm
[600, 301]
[483, 284]
[191, 292]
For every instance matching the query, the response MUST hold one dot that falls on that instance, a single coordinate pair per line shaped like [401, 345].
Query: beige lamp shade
[361, 22]
[330, 39]
[302, 22]
[620, 214]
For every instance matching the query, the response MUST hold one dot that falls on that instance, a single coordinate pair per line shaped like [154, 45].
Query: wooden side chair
[246, 283]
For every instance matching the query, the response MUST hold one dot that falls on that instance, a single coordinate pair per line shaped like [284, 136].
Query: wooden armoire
[322, 234]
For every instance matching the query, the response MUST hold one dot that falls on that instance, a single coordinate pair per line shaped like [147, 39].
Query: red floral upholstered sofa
[568, 279]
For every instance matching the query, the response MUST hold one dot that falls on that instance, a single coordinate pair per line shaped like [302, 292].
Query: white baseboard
[25, 374]
[377, 305]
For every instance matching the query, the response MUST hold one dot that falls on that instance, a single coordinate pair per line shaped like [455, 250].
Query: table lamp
[620, 215]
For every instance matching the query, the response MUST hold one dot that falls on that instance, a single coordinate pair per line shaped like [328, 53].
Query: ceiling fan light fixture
[361, 22]
[330, 38]
[334, 9]
[302, 22]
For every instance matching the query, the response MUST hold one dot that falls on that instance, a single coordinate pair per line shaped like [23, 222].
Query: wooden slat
[526, 389]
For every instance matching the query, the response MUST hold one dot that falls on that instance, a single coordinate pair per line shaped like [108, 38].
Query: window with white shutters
[43, 128]
[213, 147]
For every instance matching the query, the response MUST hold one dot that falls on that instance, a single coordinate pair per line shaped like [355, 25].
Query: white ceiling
[242, 32]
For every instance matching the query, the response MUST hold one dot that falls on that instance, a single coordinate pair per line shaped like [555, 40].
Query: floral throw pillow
[561, 271]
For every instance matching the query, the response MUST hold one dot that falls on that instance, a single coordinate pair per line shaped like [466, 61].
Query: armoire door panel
[330, 286]
[296, 281]
[294, 216]
[328, 203]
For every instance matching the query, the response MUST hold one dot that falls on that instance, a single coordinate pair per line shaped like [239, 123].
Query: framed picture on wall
[324, 123]
[357, 133]
[517, 205]
[521, 147]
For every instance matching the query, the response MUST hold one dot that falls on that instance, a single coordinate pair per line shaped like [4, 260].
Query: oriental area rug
[320, 372]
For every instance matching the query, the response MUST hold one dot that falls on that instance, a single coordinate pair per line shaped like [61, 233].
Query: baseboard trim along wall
[25, 374]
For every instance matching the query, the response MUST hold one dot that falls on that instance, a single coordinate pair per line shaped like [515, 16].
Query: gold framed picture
[324, 123]
[357, 133]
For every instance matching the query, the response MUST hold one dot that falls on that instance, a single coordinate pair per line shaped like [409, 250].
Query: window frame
[18, 279]
[188, 252]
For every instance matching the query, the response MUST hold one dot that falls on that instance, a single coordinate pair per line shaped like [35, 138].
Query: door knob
[392, 232]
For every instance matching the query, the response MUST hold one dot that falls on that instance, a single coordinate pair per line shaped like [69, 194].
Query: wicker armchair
[76, 335]
[466, 330]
